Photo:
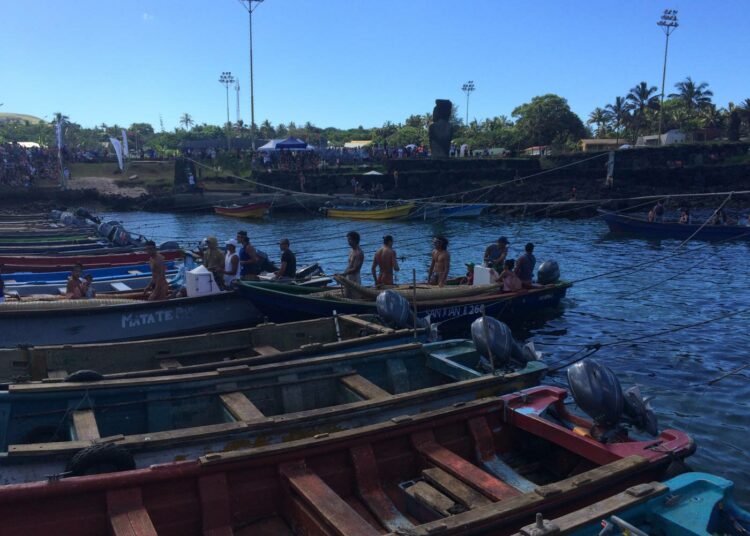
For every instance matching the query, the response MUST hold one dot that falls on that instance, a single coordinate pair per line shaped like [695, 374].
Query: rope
[706, 222]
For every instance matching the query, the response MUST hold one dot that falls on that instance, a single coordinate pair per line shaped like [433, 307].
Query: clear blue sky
[345, 63]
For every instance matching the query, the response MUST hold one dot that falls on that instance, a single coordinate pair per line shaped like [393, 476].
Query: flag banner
[58, 134]
[125, 150]
[118, 151]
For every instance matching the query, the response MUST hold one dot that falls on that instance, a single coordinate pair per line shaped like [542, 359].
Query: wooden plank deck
[364, 387]
[240, 407]
[84, 423]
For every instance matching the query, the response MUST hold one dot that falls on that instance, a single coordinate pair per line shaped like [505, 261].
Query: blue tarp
[289, 143]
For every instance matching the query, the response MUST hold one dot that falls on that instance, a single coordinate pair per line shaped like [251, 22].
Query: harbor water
[640, 309]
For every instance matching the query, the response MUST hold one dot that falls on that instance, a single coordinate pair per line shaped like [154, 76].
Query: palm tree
[712, 117]
[186, 120]
[599, 117]
[692, 96]
[619, 111]
[642, 98]
[60, 118]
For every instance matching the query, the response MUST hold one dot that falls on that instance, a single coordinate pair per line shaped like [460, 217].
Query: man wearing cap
[213, 260]
[385, 259]
[494, 255]
[231, 264]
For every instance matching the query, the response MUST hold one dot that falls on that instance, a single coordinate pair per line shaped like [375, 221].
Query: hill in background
[7, 117]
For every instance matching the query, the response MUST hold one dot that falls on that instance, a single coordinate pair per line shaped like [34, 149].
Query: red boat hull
[60, 263]
[353, 482]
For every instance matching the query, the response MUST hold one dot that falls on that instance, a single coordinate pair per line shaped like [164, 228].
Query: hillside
[19, 118]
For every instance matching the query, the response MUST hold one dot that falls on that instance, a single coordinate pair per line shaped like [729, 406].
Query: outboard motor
[86, 215]
[394, 309]
[54, 215]
[598, 392]
[169, 245]
[121, 237]
[492, 336]
[548, 273]
[312, 270]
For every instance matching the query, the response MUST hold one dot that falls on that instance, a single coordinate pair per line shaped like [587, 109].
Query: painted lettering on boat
[453, 312]
[135, 320]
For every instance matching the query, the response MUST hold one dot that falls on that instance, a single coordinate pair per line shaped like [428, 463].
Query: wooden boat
[428, 211]
[82, 322]
[423, 291]
[635, 225]
[102, 287]
[487, 466]
[91, 248]
[59, 263]
[206, 351]
[185, 415]
[99, 274]
[252, 210]
[369, 213]
[13, 239]
[279, 303]
[692, 504]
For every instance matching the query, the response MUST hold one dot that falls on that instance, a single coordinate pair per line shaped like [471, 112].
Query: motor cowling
[493, 337]
[393, 308]
[548, 273]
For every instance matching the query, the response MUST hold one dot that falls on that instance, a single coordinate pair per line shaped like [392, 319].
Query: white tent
[373, 172]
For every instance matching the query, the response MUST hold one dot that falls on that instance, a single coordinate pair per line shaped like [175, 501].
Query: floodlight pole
[668, 23]
[467, 88]
[248, 4]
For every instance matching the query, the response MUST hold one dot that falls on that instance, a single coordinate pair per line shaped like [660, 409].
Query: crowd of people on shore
[23, 166]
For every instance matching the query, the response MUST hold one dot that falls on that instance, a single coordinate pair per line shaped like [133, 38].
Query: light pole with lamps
[467, 88]
[227, 80]
[668, 23]
[248, 5]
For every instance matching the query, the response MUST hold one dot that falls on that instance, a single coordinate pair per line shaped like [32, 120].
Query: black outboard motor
[492, 336]
[86, 215]
[548, 273]
[312, 270]
[394, 309]
[598, 392]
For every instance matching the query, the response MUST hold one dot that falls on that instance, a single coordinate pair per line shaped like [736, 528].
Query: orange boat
[253, 210]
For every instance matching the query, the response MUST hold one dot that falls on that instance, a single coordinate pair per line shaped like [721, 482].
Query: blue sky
[347, 63]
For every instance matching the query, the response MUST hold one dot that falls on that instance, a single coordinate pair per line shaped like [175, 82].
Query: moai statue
[441, 131]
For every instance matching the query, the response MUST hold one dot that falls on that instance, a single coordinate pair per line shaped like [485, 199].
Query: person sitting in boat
[684, 216]
[88, 286]
[722, 218]
[386, 260]
[231, 264]
[158, 288]
[494, 255]
[508, 278]
[213, 260]
[658, 211]
[250, 266]
[525, 266]
[74, 289]
[288, 269]
[441, 262]
[355, 262]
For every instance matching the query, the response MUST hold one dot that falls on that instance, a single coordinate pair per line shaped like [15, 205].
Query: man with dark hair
[494, 255]
[75, 290]
[249, 261]
[158, 288]
[525, 266]
[288, 269]
[441, 262]
[355, 261]
[385, 259]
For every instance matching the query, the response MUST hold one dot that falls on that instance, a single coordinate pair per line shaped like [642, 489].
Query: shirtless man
[75, 290]
[158, 288]
[441, 262]
[356, 259]
[385, 259]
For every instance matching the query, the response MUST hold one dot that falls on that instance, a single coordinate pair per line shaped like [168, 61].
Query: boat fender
[548, 273]
[494, 339]
[100, 459]
[84, 376]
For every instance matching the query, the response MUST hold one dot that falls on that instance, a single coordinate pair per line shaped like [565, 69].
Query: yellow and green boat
[369, 212]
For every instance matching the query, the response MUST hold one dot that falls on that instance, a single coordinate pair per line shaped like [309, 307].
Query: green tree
[619, 113]
[545, 118]
[600, 118]
[642, 98]
[692, 98]
[186, 120]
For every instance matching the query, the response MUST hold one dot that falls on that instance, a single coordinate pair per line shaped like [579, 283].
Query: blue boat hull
[99, 274]
[622, 224]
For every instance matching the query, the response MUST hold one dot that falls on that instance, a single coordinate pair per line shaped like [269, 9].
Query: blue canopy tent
[288, 144]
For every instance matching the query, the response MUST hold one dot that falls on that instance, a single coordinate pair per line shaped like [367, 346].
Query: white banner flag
[58, 133]
[125, 150]
[118, 150]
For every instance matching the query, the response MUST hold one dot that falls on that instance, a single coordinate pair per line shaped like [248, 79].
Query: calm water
[673, 368]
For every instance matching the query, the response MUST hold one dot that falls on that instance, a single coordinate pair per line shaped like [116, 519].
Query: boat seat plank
[169, 364]
[240, 407]
[328, 506]
[377, 328]
[84, 423]
[127, 515]
[462, 469]
[454, 488]
[428, 496]
[371, 492]
[120, 287]
[364, 387]
[603, 509]
[57, 374]
[266, 350]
